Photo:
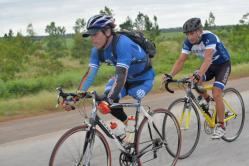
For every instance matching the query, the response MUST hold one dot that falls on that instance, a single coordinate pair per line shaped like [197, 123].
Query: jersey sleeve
[186, 47]
[210, 41]
[94, 59]
[88, 79]
[124, 53]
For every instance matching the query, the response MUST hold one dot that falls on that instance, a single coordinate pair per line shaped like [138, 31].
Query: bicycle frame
[149, 137]
[95, 120]
[182, 108]
[211, 120]
[209, 88]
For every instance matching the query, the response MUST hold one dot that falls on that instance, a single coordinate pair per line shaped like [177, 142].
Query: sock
[222, 125]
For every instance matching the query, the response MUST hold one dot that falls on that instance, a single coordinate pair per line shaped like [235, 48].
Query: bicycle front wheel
[234, 114]
[189, 121]
[151, 142]
[69, 149]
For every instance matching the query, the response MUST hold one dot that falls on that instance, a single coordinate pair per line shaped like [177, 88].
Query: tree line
[24, 57]
[16, 50]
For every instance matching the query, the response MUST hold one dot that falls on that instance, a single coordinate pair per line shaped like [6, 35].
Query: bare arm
[179, 64]
[208, 55]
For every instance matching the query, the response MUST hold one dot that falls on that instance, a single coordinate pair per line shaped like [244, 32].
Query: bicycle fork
[87, 148]
[186, 110]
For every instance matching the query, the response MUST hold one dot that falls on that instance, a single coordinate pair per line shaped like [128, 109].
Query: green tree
[61, 31]
[206, 24]
[10, 34]
[13, 56]
[211, 20]
[155, 29]
[30, 30]
[79, 25]
[128, 24]
[54, 30]
[81, 48]
[56, 43]
[143, 23]
[139, 23]
[245, 19]
[107, 11]
[148, 24]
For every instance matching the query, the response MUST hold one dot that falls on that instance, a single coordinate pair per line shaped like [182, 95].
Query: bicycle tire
[187, 148]
[74, 138]
[234, 98]
[143, 139]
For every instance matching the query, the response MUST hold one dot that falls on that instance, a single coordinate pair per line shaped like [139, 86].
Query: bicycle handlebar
[183, 81]
[167, 86]
[190, 83]
[76, 96]
[64, 95]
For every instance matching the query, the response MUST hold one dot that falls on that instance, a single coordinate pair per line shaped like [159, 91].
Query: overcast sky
[17, 14]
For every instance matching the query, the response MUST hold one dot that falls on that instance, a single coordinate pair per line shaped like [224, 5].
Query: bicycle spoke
[190, 126]
[69, 149]
[151, 143]
[234, 114]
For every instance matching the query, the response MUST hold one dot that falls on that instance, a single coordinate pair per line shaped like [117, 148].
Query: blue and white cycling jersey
[208, 40]
[127, 52]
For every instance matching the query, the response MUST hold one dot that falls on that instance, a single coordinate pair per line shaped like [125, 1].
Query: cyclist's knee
[140, 91]
[137, 94]
[217, 93]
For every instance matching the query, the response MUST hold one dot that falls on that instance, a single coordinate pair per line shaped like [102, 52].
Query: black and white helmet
[98, 22]
[192, 24]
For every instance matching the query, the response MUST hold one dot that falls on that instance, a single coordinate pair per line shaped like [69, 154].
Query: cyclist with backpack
[216, 64]
[134, 75]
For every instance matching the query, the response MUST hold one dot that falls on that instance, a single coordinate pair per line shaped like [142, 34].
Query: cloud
[17, 14]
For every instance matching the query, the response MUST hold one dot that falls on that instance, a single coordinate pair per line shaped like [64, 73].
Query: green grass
[45, 101]
[32, 90]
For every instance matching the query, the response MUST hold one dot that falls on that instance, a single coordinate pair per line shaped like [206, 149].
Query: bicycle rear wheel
[69, 149]
[151, 142]
[233, 104]
[189, 121]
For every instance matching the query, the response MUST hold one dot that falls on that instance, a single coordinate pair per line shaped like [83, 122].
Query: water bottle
[211, 106]
[118, 130]
[130, 130]
[203, 103]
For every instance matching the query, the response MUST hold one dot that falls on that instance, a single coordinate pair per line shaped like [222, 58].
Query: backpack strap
[115, 39]
[101, 55]
[147, 60]
[114, 51]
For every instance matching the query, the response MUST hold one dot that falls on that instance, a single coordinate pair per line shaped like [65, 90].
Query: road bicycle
[86, 145]
[187, 110]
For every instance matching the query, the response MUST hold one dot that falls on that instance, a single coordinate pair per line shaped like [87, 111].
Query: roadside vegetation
[33, 66]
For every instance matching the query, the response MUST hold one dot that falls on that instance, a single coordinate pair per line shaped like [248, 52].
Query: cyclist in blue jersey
[216, 64]
[130, 78]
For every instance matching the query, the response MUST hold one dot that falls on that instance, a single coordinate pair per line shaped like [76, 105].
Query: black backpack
[138, 37]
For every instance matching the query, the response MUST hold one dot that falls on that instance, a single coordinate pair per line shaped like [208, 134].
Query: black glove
[167, 77]
[81, 94]
[196, 77]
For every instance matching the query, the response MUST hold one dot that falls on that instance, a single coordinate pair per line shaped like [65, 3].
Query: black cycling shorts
[220, 72]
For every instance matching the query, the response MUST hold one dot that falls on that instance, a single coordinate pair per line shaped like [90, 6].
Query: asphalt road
[30, 141]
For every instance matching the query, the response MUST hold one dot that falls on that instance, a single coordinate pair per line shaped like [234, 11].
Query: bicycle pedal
[227, 114]
[208, 130]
